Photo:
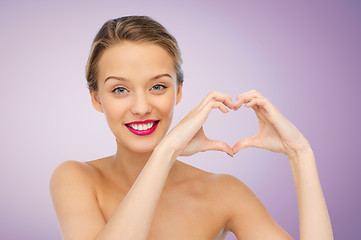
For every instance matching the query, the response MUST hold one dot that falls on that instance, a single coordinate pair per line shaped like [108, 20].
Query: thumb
[218, 146]
[245, 143]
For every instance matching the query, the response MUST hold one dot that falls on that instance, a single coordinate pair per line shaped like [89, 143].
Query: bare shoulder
[226, 196]
[247, 217]
[71, 166]
[228, 190]
[69, 171]
[215, 186]
[74, 199]
[233, 193]
[231, 186]
[219, 182]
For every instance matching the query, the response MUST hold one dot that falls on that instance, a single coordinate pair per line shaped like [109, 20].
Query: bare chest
[180, 214]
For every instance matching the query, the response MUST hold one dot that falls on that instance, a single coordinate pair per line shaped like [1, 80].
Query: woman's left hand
[275, 133]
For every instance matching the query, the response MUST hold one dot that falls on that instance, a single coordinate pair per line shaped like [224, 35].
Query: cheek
[113, 110]
[166, 105]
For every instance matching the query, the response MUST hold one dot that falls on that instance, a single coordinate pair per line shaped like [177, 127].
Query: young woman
[142, 191]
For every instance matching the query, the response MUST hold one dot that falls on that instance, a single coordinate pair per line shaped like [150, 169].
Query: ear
[96, 101]
[179, 93]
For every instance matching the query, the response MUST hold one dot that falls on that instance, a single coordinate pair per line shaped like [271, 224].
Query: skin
[144, 192]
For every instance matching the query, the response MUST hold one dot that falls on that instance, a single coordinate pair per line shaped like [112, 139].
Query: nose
[141, 105]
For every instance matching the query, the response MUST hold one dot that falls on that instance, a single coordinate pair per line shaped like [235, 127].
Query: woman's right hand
[188, 138]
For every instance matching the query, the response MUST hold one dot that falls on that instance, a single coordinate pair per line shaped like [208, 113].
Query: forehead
[135, 60]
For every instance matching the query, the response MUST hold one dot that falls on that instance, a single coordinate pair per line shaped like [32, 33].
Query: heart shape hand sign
[275, 133]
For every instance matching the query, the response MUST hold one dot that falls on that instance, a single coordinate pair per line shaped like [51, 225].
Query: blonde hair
[139, 29]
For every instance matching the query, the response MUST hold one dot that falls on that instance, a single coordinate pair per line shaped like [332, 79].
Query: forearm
[314, 219]
[133, 218]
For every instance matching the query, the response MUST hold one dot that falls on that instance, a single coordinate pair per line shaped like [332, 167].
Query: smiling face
[137, 82]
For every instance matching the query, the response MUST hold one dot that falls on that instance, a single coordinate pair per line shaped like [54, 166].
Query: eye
[120, 90]
[158, 87]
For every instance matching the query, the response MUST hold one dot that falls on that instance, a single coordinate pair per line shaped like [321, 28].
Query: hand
[188, 138]
[275, 132]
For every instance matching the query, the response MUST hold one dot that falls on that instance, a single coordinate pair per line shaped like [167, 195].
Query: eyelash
[163, 87]
[117, 88]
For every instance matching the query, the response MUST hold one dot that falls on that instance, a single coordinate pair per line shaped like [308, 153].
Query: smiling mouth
[142, 127]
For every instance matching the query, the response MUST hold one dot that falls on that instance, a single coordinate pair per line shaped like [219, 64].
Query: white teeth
[142, 127]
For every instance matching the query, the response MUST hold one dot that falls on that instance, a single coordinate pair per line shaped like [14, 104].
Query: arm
[251, 220]
[75, 201]
[133, 218]
[248, 217]
[314, 219]
[277, 134]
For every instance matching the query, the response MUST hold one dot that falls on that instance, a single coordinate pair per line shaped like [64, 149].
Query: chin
[144, 149]
[140, 146]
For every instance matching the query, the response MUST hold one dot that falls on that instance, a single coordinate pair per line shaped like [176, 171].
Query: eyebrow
[124, 79]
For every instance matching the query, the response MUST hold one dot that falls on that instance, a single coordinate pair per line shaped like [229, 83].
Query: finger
[196, 118]
[244, 100]
[246, 97]
[222, 108]
[220, 97]
[250, 92]
[214, 104]
[245, 143]
[258, 105]
[207, 104]
[261, 102]
[218, 146]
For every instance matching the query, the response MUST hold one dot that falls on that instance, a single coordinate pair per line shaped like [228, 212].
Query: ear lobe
[96, 101]
[179, 93]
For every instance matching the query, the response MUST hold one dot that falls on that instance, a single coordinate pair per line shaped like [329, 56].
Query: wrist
[302, 159]
[166, 149]
[299, 152]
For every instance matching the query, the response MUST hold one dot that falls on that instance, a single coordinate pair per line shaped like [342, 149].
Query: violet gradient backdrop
[303, 56]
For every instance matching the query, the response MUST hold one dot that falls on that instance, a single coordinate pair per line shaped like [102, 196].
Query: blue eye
[121, 90]
[158, 87]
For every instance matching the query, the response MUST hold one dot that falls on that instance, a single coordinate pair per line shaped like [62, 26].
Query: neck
[128, 165]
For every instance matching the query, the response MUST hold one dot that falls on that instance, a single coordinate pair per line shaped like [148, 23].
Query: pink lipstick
[142, 132]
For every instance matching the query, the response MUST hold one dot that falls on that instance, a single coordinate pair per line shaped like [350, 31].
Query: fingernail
[229, 155]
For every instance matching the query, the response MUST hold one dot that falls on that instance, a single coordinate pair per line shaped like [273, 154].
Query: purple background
[303, 56]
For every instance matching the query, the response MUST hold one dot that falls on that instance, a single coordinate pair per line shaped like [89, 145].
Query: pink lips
[143, 132]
